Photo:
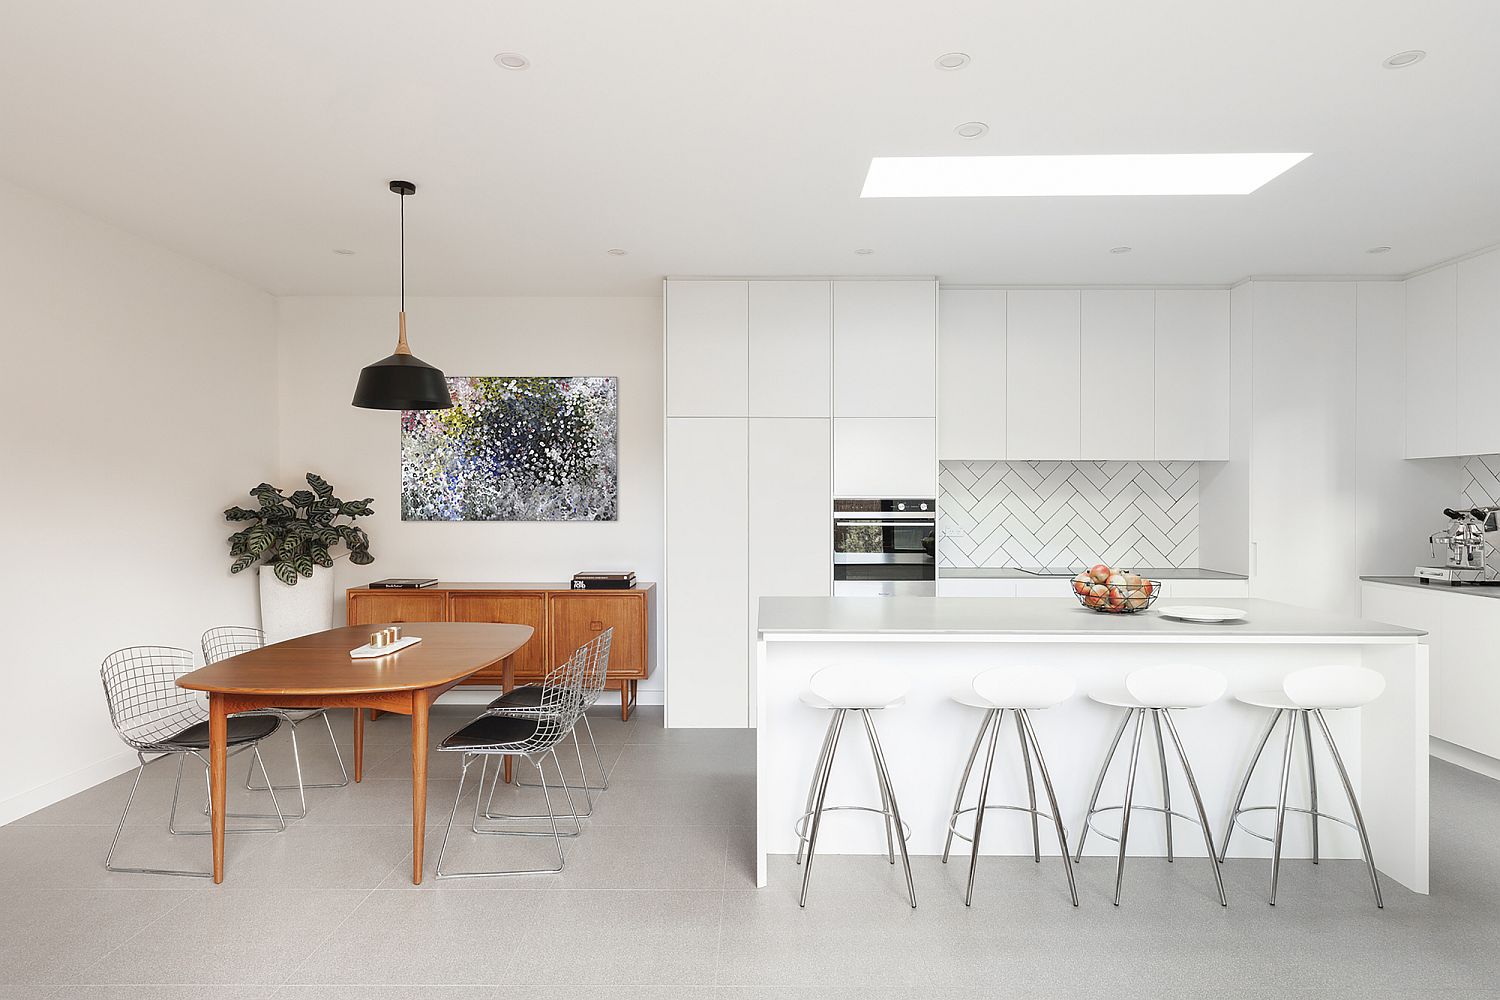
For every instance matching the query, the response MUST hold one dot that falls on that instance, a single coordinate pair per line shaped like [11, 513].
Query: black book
[400, 584]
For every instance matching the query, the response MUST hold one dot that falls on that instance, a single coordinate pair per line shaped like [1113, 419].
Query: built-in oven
[884, 546]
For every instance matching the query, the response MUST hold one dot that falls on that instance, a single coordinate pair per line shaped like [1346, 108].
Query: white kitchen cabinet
[1042, 378]
[885, 348]
[1432, 363]
[884, 457]
[971, 375]
[707, 344]
[791, 347]
[707, 571]
[1477, 345]
[1118, 330]
[791, 508]
[1191, 364]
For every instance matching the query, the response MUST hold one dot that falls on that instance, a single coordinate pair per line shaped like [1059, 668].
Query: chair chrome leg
[489, 812]
[1036, 836]
[1208, 836]
[884, 775]
[1239, 799]
[550, 815]
[817, 813]
[598, 760]
[1135, 759]
[1166, 785]
[1312, 782]
[817, 776]
[109, 858]
[1359, 819]
[984, 797]
[963, 783]
[1286, 777]
[302, 785]
[1023, 718]
[1109, 755]
[462, 775]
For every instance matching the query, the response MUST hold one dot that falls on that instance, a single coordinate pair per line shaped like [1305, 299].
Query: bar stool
[1305, 694]
[1157, 690]
[1018, 690]
[841, 690]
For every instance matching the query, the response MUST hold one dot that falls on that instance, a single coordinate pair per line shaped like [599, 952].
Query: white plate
[1201, 613]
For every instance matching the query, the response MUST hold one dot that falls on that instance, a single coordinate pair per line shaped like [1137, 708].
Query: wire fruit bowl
[1120, 598]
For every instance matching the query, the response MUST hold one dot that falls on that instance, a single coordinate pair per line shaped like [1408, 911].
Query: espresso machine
[1463, 547]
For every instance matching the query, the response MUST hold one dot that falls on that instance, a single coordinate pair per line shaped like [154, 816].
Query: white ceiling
[732, 136]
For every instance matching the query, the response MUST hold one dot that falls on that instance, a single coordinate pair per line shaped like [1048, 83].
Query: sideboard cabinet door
[513, 607]
[577, 617]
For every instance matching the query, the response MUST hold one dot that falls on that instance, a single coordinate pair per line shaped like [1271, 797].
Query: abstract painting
[514, 449]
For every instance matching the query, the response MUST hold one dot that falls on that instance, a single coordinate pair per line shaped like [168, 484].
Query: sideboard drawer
[369, 607]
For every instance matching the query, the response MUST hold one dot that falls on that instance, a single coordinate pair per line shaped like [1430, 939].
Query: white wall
[325, 341]
[140, 401]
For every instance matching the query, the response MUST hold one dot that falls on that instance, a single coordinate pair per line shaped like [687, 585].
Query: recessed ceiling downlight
[344, 253]
[1378, 250]
[951, 60]
[864, 251]
[512, 60]
[1401, 60]
[616, 252]
[971, 130]
[1118, 250]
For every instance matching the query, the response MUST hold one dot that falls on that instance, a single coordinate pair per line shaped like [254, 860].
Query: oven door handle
[884, 524]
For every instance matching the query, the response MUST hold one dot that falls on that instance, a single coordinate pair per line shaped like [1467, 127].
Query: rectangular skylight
[1091, 175]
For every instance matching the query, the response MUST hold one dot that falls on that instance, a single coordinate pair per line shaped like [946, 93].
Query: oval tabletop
[320, 663]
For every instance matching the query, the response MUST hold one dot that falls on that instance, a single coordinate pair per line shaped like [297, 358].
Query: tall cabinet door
[1116, 394]
[791, 348]
[707, 589]
[1192, 376]
[1477, 342]
[1042, 377]
[1431, 363]
[707, 348]
[885, 348]
[971, 374]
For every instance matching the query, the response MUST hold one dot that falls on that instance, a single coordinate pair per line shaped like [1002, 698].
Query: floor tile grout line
[324, 940]
[188, 894]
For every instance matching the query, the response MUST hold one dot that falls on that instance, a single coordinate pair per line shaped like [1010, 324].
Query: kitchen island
[942, 642]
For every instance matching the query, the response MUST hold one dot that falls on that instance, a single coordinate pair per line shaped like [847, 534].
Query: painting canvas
[514, 449]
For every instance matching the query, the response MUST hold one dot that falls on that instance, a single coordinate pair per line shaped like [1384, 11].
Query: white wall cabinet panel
[790, 348]
[1042, 376]
[884, 457]
[1192, 376]
[884, 348]
[1117, 375]
[1477, 345]
[971, 375]
[707, 540]
[1432, 363]
[707, 348]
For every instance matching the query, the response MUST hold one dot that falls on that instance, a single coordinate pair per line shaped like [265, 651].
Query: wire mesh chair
[154, 716]
[523, 702]
[535, 738]
[231, 640]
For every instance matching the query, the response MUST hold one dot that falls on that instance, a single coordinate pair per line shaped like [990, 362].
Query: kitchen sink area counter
[938, 644]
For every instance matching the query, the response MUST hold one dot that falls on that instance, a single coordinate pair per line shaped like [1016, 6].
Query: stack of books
[603, 581]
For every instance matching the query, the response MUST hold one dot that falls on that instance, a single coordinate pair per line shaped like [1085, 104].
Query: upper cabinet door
[1118, 376]
[1478, 344]
[884, 348]
[1432, 364]
[790, 348]
[707, 348]
[971, 375]
[1042, 376]
[1192, 376]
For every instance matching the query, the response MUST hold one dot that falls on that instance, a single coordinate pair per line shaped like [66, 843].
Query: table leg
[507, 685]
[359, 744]
[218, 770]
[419, 700]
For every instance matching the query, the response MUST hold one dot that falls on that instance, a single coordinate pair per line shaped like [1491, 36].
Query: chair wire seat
[224, 641]
[153, 715]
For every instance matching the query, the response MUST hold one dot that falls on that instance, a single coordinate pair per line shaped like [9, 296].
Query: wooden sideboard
[564, 619]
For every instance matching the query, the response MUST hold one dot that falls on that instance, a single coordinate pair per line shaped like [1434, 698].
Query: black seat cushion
[527, 696]
[491, 731]
[242, 729]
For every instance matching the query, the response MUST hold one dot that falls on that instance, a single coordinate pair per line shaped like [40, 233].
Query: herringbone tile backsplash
[1068, 513]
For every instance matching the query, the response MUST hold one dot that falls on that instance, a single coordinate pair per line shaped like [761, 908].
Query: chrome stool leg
[1024, 718]
[963, 783]
[817, 813]
[1286, 777]
[1109, 756]
[1208, 836]
[1166, 785]
[1239, 800]
[1036, 836]
[984, 795]
[1312, 782]
[1359, 819]
[1135, 759]
[884, 775]
[817, 778]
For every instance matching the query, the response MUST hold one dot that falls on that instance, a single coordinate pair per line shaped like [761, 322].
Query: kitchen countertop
[1436, 588]
[1051, 616]
[1051, 572]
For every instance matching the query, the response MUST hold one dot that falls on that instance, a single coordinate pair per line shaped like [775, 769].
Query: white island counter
[941, 642]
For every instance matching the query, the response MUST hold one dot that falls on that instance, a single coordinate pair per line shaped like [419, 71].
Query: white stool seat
[855, 687]
[1270, 698]
[1169, 685]
[1018, 687]
[1326, 687]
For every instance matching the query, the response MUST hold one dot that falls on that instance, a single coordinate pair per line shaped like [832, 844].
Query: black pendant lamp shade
[402, 381]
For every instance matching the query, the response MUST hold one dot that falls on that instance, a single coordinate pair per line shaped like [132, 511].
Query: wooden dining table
[316, 671]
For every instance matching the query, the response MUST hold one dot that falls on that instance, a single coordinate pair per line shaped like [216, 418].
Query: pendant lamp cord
[403, 252]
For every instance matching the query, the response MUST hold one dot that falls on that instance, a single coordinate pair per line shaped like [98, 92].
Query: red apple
[1101, 573]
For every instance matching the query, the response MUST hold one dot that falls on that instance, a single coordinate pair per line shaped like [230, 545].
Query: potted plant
[289, 537]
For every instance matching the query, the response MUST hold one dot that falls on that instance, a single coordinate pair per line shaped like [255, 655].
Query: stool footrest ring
[1290, 809]
[952, 828]
[800, 827]
[1089, 821]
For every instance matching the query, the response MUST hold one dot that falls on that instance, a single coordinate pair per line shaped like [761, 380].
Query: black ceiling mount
[403, 188]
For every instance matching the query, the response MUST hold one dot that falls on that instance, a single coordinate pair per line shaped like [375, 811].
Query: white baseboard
[485, 695]
[1472, 760]
[56, 790]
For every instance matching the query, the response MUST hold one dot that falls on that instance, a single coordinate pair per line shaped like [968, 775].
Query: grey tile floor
[658, 900]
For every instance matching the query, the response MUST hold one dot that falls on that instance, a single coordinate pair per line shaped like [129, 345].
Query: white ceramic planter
[287, 612]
